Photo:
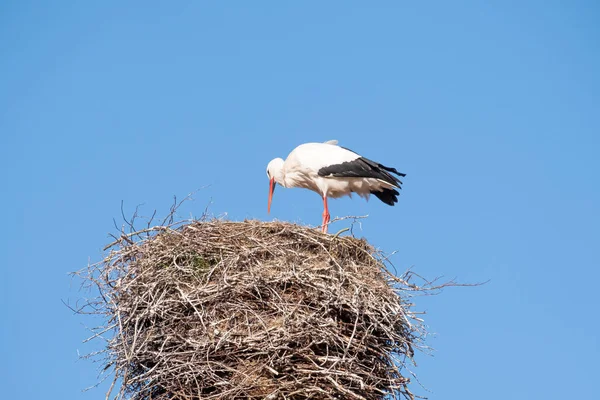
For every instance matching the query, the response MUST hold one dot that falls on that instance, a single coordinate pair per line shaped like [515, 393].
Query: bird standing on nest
[333, 171]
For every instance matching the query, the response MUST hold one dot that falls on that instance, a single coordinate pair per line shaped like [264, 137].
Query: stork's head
[275, 174]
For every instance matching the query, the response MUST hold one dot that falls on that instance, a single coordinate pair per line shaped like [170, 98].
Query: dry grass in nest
[252, 310]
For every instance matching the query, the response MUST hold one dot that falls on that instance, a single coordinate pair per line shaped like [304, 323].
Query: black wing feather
[388, 196]
[364, 168]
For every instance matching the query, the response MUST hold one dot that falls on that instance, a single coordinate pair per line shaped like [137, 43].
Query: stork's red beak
[271, 190]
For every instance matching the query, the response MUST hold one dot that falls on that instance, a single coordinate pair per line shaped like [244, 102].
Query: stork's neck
[279, 175]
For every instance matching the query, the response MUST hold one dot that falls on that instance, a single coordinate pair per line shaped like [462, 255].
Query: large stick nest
[253, 310]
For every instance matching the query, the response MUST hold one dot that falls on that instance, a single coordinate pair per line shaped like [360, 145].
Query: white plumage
[333, 171]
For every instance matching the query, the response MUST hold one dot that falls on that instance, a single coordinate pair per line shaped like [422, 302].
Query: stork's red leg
[326, 216]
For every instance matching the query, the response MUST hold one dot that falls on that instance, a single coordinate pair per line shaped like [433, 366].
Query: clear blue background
[492, 110]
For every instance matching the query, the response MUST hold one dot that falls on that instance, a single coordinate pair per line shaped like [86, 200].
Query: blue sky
[493, 111]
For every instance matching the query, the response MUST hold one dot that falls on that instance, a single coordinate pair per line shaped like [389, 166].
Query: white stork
[333, 171]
